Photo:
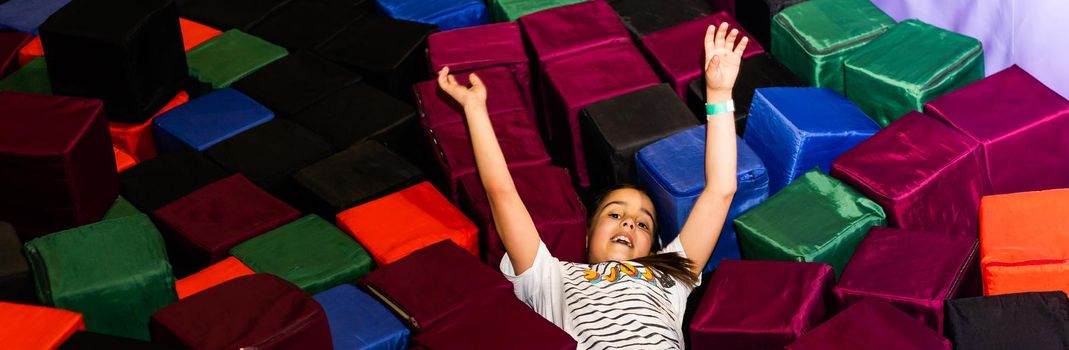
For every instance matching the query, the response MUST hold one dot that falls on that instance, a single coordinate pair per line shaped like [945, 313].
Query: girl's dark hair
[671, 264]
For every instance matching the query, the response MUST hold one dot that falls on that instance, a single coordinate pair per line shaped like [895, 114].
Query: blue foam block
[673, 171]
[796, 129]
[27, 15]
[208, 120]
[445, 14]
[358, 321]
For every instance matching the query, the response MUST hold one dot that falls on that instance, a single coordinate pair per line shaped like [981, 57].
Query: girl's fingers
[742, 46]
[442, 77]
[475, 81]
[720, 33]
[729, 43]
[453, 81]
[710, 43]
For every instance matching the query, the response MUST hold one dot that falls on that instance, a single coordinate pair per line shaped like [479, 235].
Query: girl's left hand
[722, 60]
[467, 96]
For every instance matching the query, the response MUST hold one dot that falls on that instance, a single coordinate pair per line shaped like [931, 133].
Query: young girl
[625, 298]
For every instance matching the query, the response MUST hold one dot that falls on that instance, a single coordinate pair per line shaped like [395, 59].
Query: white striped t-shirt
[611, 305]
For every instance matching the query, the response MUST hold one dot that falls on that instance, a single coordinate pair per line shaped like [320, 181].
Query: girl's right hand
[467, 96]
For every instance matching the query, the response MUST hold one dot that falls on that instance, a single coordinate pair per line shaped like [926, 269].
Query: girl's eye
[643, 226]
[614, 215]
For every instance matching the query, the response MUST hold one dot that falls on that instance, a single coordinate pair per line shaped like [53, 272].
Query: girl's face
[622, 228]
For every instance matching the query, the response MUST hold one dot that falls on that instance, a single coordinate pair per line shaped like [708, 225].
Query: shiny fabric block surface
[999, 25]
[208, 120]
[813, 38]
[357, 175]
[85, 340]
[886, 89]
[816, 218]
[928, 183]
[227, 58]
[571, 29]
[389, 53]
[201, 227]
[444, 14]
[758, 71]
[226, 15]
[59, 167]
[497, 322]
[128, 53]
[230, 316]
[645, 17]
[359, 322]
[16, 282]
[30, 78]
[295, 82]
[27, 15]
[670, 171]
[306, 24]
[1022, 239]
[757, 15]
[422, 289]
[37, 327]
[10, 43]
[551, 200]
[401, 223]
[121, 208]
[194, 33]
[446, 131]
[157, 182]
[359, 113]
[211, 276]
[114, 272]
[678, 51]
[309, 252]
[506, 95]
[871, 324]
[32, 50]
[498, 45]
[123, 160]
[762, 304]
[616, 128]
[1021, 125]
[576, 81]
[270, 153]
[511, 10]
[915, 271]
[137, 139]
[1014, 321]
[517, 136]
[796, 129]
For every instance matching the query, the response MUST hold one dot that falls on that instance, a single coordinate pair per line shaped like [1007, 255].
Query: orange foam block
[392, 227]
[211, 276]
[1024, 242]
[36, 327]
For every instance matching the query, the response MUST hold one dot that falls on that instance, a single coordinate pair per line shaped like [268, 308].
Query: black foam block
[614, 129]
[362, 173]
[128, 53]
[291, 84]
[389, 53]
[159, 181]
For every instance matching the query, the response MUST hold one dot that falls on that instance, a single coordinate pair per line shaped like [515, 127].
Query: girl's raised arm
[702, 228]
[514, 223]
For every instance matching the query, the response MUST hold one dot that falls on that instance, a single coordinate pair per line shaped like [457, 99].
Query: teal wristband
[718, 108]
